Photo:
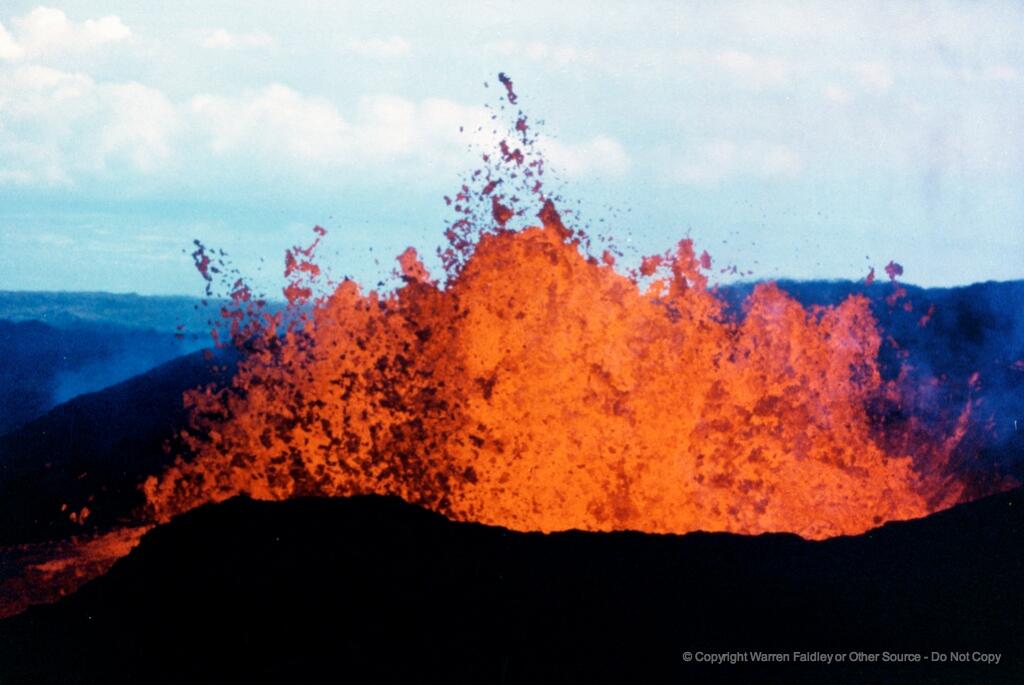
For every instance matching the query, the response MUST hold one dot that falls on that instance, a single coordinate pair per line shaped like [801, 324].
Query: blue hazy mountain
[56, 346]
[73, 309]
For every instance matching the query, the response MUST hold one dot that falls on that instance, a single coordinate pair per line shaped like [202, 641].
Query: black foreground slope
[372, 589]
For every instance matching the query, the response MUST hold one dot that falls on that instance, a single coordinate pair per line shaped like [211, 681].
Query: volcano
[538, 385]
[374, 589]
[536, 464]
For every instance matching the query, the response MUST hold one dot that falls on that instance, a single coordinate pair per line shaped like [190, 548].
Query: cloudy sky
[790, 139]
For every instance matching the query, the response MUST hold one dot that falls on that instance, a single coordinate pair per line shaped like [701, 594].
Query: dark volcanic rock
[372, 589]
[42, 366]
[95, 450]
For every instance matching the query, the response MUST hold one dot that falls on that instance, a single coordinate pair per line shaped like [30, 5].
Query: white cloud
[47, 31]
[15, 177]
[720, 160]
[857, 80]
[276, 120]
[557, 55]
[380, 48]
[9, 49]
[225, 40]
[837, 94]
[790, 20]
[874, 76]
[599, 156]
[389, 125]
[756, 71]
[999, 72]
[58, 126]
[380, 131]
[777, 161]
[140, 125]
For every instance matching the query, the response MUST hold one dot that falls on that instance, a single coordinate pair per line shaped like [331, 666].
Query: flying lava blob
[537, 387]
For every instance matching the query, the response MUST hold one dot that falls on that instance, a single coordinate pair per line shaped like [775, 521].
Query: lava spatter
[539, 388]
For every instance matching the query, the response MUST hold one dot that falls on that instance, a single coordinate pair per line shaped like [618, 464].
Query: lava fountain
[538, 387]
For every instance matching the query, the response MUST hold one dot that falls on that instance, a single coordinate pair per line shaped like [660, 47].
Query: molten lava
[541, 389]
[44, 572]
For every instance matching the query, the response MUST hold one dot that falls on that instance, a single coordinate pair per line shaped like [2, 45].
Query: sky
[790, 139]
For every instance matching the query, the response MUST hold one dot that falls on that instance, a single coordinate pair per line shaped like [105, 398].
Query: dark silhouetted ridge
[371, 589]
[96, 449]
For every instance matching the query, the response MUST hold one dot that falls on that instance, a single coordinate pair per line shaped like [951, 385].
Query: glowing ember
[540, 389]
[44, 572]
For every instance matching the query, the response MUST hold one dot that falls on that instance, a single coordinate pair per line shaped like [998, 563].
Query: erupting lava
[540, 389]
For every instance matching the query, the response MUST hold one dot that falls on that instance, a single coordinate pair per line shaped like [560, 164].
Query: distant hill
[71, 309]
[371, 589]
[57, 345]
[95, 450]
[42, 365]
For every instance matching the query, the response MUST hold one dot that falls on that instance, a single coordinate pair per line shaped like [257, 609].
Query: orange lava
[44, 572]
[540, 389]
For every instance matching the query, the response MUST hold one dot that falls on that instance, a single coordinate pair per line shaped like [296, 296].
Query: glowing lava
[44, 572]
[541, 389]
